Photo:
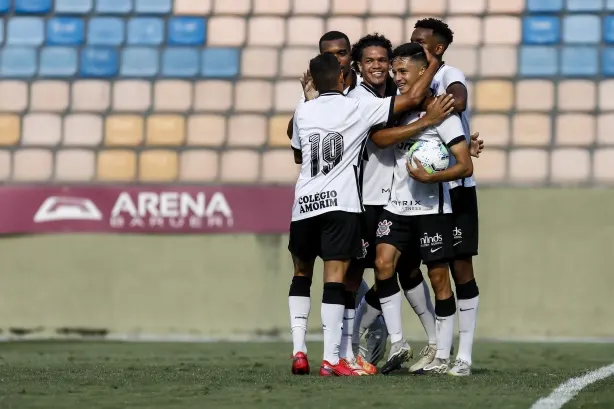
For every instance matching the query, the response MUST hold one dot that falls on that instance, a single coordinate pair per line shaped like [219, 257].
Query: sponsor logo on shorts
[428, 241]
[458, 234]
[436, 249]
[365, 246]
[383, 228]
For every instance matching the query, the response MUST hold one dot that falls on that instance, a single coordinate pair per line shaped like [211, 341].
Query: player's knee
[440, 279]
[384, 267]
[303, 268]
[462, 271]
[411, 279]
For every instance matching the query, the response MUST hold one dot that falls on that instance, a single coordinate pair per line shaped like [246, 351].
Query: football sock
[468, 300]
[366, 314]
[419, 298]
[332, 320]
[299, 302]
[391, 300]
[445, 310]
[345, 350]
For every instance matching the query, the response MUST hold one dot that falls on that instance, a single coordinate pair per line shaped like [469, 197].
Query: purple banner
[145, 209]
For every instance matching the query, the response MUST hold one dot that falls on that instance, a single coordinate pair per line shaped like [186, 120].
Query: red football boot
[343, 368]
[300, 364]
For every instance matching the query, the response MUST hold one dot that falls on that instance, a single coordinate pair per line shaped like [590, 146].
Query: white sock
[299, 314]
[391, 310]
[332, 324]
[366, 316]
[467, 317]
[445, 336]
[345, 350]
[419, 298]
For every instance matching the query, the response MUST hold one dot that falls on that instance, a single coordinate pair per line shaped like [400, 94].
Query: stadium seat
[579, 61]
[561, 171]
[131, 96]
[5, 6]
[32, 165]
[29, 31]
[82, 130]
[534, 95]
[305, 30]
[220, 62]
[278, 127]
[1, 31]
[295, 61]
[267, 7]
[464, 58]
[206, 130]
[10, 129]
[603, 171]
[531, 129]
[73, 6]
[287, 95]
[268, 31]
[606, 95]
[172, 96]
[609, 4]
[233, 7]
[427, 8]
[116, 165]
[491, 168]
[213, 96]
[33, 6]
[253, 96]
[494, 95]
[581, 29]
[198, 166]
[607, 61]
[226, 31]
[114, 6]
[90, 96]
[98, 62]
[387, 7]
[312, 7]
[153, 6]
[105, 31]
[505, 6]
[240, 166]
[13, 96]
[58, 62]
[139, 62]
[502, 30]
[541, 30]
[124, 130]
[40, 129]
[608, 29]
[498, 61]
[584, 5]
[49, 96]
[180, 62]
[393, 27]
[528, 166]
[5, 165]
[158, 166]
[65, 31]
[496, 126]
[145, 31]
[537, 61]
[469, 7]
[74, 165]
[247, 131]
[577, 95]
[357, 7]
[259, 63]
[544, 5]
[165, 130]
[575, 130]
[192, 7]
[17, 61]
[186, 31]
[279, 167]
[467, 30]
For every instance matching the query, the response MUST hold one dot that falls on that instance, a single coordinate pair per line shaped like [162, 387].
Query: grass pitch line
[567, 390]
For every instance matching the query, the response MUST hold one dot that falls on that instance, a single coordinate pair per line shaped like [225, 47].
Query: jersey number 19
[332, 152]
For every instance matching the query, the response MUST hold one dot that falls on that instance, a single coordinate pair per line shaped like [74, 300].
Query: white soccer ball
[432, 153]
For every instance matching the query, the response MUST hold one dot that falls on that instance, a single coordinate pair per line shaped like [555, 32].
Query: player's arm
[437, 111]
[459, 92]
[309, 93]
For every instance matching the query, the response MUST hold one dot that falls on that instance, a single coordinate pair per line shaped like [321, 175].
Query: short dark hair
[333, 36]
[325, 70]
[413, 51]
[370, 40]
[440, 29]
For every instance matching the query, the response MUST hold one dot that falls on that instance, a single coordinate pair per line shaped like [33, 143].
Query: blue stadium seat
[609, 5]
[145, 31]
[139, 62]
[607, 62]
[579, 61]
[32, 6]
[541, 30]
[537, 61]
[98, 62]
[25, 31]
[608, 29]
[220, 62]
[58, 62]
[153, 6]
[180, 62]
[544, 5]
[186, 31]
[1, 31]
[73, 6]
[584, 5]
[65, 31]
[5, 6]
[581, 29]
[105, 31]
[17, 62]
[114, 6]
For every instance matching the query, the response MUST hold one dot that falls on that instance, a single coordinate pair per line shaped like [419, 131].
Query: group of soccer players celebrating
[358, 204]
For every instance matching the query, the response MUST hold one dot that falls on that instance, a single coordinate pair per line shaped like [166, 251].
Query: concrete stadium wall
[544, 271]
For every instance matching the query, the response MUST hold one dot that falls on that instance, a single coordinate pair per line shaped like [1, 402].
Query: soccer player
[435, 36]
[420, 211]
[328, 137]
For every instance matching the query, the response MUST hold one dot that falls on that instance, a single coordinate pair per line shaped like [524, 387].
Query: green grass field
[81, 375]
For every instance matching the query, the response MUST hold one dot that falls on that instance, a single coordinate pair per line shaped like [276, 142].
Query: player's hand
[439, 109]
[418, 173]
[476, 146]
[309, 88]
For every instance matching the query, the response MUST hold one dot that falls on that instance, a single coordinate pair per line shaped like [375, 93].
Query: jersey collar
[331, 92]
[371, 89]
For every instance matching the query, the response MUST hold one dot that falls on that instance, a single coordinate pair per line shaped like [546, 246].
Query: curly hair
[370, 40]
[440, 29]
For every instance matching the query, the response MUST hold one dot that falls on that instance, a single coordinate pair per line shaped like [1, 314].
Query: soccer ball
[432, 153]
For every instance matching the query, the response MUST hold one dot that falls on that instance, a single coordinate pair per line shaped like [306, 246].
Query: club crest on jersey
[383, 228]
[365, 246]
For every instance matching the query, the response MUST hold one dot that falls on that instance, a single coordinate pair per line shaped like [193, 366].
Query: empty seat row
[570, 61]
[86, 6]
[571, 29]
[569, 5]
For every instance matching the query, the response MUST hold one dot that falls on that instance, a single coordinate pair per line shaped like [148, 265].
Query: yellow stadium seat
[357, 7]
[206, 130]
[494, 95]
[198, 166]
[124, 130]
[495, 129]
[305, 30]
[295, 61]
[116, 165]
[158, 166]
[467, 29]
[259, 62]
[32, 165]
[287, 95]
[467, 7]
[491, 167]
[498, 61]
[41, 129]
[192, 7]
[49, 96]
[10, 129]
[528, 166]
[172, 96]
[534, 95]
[575, 130]
[603, 171]
[505, 6]
[213, 96]
[5, 165]
[605, 124]
[317, 7]
[131, 96]
[165, 130]
[254, 96]
[268, 7]
[568, 92]
[90, 95]
[13, 96]
[387, 7]
[502, 30]
[570, 166]
[427, 8]
[392, 27]
[240, 166]
[232, 7]
[266, 31]
[278, 166]
[278, 128]
[72, 165]
[465, 58]
[531, 130]
[247, 130]
[82, 130]
[353, 27]
[226, 31]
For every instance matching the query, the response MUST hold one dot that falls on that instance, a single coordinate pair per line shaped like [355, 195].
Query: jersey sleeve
[302, 98]
[376, 110]
[296, 142]
[452, 76]
[451, 130]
